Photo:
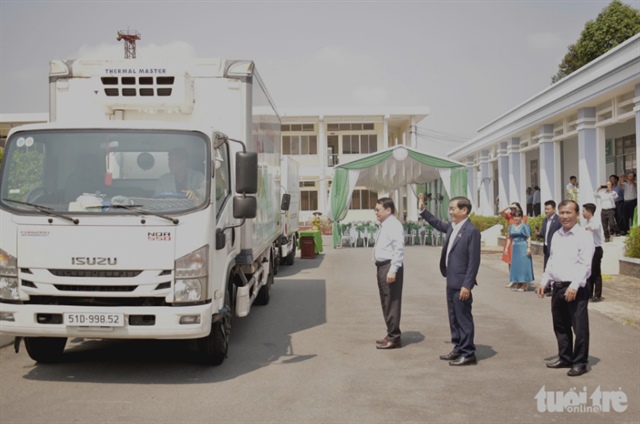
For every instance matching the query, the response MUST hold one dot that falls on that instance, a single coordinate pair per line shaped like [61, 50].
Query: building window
[625, 156]
[309, 200]
[350, 127]
[298, 127]
[307, 183]
[299, 145]
[359, 144]
[363, 199]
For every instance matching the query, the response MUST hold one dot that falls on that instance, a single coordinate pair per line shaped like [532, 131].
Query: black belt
[383, 263]
[561, 284]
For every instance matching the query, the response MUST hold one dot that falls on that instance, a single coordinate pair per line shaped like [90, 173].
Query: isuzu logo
[81, 260]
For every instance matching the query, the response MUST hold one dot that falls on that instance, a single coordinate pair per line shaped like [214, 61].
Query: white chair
[346, 238]
[422, 235]
[353, 235]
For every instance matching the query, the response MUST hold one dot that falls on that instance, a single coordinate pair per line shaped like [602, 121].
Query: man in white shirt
[388, 254]
[628, 184]
[608, 197]
[536, 201]
[593, 225]
[572, 188]
[567, 271]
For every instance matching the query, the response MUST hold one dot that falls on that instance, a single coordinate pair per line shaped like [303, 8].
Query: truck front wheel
[291, 257]
[213, 348]
[46, 350]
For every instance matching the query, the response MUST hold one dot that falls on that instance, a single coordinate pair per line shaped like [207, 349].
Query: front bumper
[166, 322]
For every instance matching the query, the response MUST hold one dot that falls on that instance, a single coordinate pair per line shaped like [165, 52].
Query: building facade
[584, 125]
[320, 140]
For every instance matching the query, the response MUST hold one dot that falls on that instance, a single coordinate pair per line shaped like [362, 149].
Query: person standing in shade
[567, 271]
[607, 197]
[614, 180]
[550, 225]
[521, 271]
[628, 185]
[572, 189]
[459, 264]
[388, 254]
[529, 201]
[536, 201]
[593, 225]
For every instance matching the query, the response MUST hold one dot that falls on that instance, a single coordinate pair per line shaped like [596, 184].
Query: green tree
[616, 23]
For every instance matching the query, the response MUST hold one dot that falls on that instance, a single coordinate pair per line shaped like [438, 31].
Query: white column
[487, 198]
[385, 133]
[503, 176]
[516, 171]
[323, 197]
[413, 132]
[588, 155]
[548, 175]
[471, 182]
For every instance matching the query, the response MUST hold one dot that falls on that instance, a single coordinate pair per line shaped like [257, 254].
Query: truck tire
[264, 295]
[291, 257]
[212, 349]
[276, 259]
[45, 350]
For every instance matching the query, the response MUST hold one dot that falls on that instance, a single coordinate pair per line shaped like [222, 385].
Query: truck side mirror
[245, 207]
[220, 239]
[286, 199]
[247, 172]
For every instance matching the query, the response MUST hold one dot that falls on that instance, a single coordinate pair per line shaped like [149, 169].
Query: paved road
[310, 357]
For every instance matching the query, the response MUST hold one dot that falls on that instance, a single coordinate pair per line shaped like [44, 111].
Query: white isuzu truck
[149, 206]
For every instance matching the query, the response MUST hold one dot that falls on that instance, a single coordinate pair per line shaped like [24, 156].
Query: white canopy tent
[388, 170]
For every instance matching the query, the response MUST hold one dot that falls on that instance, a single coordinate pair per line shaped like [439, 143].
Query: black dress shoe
[577, 370]
[450, 356]
[596, 299]
[389, 345]
[558, 364]
[464, 360]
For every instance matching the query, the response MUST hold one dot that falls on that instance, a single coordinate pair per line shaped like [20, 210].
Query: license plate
[93, 319]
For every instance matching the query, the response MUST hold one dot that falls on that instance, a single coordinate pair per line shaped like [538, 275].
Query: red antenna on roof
[129, 37]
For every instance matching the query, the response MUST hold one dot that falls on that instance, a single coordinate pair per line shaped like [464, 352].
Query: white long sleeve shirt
[390, 243]
[570, 260]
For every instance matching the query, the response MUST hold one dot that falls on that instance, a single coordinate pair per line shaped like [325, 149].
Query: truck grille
[137, 86]
[63, 287]
[91, 273]
[96, 301]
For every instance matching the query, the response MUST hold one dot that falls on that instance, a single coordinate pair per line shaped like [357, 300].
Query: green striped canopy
[389, 170]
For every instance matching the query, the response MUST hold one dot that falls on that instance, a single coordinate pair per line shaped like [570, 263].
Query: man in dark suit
[550, 225]
[459, 264]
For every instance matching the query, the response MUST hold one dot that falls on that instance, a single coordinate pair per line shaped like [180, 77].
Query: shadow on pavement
[258, 340]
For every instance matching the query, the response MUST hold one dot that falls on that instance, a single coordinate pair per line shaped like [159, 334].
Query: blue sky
[468, 61]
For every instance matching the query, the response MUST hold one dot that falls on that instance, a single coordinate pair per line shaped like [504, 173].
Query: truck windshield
[90, 171]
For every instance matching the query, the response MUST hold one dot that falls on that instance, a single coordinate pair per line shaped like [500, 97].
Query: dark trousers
[536, 209]
[567, 316]
[627, 213]
[530, 209]
[620, 216]
[594, 282]
[391, 300]
[461, 322]
[609, 225]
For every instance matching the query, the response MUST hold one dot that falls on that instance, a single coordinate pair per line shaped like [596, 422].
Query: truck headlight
[8, 264]
[9, 288]
[189, 290]
[8, 276]
[191, 276]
